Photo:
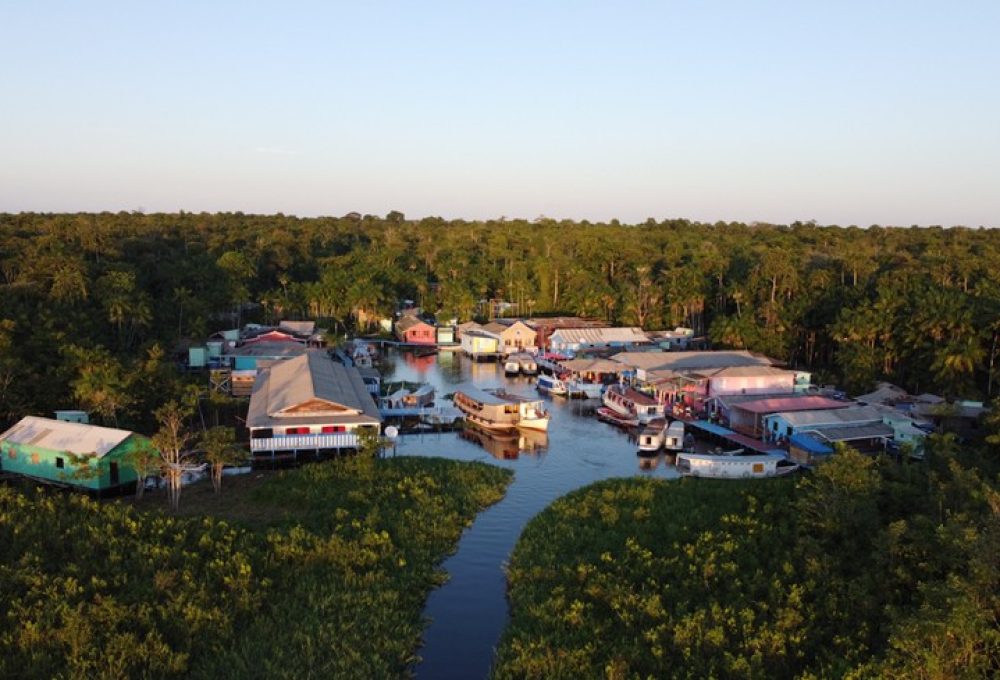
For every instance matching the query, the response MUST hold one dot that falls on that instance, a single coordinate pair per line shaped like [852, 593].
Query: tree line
[94, 307]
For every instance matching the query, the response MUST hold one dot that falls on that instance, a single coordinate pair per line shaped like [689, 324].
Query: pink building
[413, 331]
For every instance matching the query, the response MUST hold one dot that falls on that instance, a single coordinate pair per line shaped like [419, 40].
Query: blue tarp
[807, 443]
[712, 428]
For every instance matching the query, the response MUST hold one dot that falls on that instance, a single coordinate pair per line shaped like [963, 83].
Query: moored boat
[673, 436]
[527, 364]
[651, 440]
[511, 367]
[615, 418]
[734, 466]
[502, 412]
[583, 389]
[551, 385]
[630, 402]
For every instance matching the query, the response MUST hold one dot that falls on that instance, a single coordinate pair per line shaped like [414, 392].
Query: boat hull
[512, 368]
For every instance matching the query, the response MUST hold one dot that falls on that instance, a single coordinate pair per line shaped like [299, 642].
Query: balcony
[304, 442]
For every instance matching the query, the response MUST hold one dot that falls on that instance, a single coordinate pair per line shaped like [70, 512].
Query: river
[468, 613]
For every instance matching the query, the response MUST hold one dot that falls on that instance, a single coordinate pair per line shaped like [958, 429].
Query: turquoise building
[67, 453]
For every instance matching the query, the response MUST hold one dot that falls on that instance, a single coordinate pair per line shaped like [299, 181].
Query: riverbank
[861, 568]
[320, 571]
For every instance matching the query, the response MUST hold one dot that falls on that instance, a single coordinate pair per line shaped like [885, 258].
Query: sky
[840, 112]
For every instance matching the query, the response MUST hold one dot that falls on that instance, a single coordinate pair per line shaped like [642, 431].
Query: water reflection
[507, 446]
[469, 612]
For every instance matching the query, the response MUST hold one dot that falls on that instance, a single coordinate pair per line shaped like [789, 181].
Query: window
[329, 429]
[60, 463]
[12, 454]
[34, 459]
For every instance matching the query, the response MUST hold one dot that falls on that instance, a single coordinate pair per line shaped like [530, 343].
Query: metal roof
[809, 444]
[312, 377]
[599, 336]
[408, 322]
[841, 433]
[60, 435]
[678, 361]
[299, 327]
[834, 416]
[592, 366]
[785, 405]
[496, 398]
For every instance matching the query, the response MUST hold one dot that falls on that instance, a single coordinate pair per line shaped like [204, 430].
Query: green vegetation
[93, 306]
[317, 572]
[864, 569]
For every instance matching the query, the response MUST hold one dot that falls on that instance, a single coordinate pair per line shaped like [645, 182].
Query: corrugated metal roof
[59, 435]
[678, 361]
[310, 377]
[592, 366]
[267, 349]
[299, 327]
[788, 404]
[598, 336]
[810, 444]
[834, 416]
[841, 433]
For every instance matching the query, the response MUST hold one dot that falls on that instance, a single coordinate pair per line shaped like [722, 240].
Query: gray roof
[311, 378]
[839, 416]
[59, 435]
[678, 361]
[844, 433]
[408, 322]
[300, 327]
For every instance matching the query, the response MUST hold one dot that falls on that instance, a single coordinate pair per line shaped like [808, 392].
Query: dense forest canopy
[94, 305]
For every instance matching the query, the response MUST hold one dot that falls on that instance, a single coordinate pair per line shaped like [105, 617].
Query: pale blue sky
[842, 112]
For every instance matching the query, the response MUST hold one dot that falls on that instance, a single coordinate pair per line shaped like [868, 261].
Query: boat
[498, 411]
[441, 416]
[734, 466]
[422, 396]
[615, 418]
[511, 367]
[673, 436]
[630, 402]
[551, 385]
[527, 364]
[583, 389]
[651, 440]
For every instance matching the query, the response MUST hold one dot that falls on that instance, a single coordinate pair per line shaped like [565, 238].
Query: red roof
[781, 404]
[639, 398]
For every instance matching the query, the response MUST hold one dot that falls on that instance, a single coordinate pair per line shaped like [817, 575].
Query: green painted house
[44, 449]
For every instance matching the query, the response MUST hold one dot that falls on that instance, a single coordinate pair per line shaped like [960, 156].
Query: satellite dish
[391, 432]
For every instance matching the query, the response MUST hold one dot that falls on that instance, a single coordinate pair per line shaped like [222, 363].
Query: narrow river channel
[469, 612]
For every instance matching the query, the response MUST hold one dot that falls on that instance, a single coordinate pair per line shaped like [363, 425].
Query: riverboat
[651, 440]
[548, 384]
[615, 418]
[583, 389]
[734, 466]
[630, 402]
[673, 436]
[527, 364]
[499, 411]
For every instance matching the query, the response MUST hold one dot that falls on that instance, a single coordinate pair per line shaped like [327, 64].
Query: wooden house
[515, 335]
[69, 453]
[412, 331]
[309, 405]
[480, 344]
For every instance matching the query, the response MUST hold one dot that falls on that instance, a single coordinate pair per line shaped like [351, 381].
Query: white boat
[499, 411]
[628, 401]
[511, 367]
[527, 364]
[441, 415]
[584, 389]
[673, 436]
[551, 385]
[651, 440]
[734, 466]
